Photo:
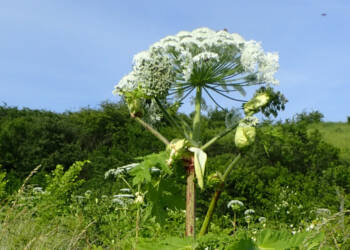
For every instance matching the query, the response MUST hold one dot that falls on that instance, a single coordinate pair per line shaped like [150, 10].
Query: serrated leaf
[164, 195]
[141, 174]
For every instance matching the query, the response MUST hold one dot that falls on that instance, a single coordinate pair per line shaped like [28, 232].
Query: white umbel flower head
[251, 54]
[197, 58]
[262, 220]
[235, 203]
[249, 211]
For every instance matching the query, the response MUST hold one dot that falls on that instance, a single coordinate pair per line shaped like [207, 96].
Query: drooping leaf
[200, 159]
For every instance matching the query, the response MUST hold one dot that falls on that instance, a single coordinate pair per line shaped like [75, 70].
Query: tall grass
[22, 228]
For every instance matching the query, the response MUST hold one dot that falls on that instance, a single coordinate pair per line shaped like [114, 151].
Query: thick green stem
[197, 116]
[217, 137]
[152, 130]
[190, 188]
[216, 196]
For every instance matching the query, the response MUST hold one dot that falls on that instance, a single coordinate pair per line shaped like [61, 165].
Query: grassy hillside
[337, 134]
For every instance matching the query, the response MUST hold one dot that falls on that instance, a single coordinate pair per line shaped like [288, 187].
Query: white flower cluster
[175, 58]
[152, 76]
[206, 56]
[234, 203]
[249, 211]
[120, 170]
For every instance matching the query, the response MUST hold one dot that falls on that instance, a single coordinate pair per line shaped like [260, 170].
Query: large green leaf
[163, 195]
[142, 172]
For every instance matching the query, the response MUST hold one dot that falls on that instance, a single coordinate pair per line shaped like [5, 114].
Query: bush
[312, 117]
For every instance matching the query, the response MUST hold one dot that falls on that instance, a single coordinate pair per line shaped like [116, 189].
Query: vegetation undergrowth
[295, 182]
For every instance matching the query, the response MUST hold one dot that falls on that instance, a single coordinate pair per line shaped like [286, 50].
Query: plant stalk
[216, 196]
[190, 199]
[152, 130]
[217, 137]
[190, 188]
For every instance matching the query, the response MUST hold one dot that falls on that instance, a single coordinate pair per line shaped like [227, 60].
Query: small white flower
[249, 211]
[118, 201]
[262, 219]
[123, 196]
[235, 203]
[155, 170]
[206, 56]
[251, 54]
[120, 170]
[38, 190]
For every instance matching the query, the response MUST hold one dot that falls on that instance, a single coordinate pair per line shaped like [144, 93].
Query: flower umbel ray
[217, 61]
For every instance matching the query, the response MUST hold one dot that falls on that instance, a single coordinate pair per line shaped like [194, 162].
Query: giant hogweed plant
[202, 63]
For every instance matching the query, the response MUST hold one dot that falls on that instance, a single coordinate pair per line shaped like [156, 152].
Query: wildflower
[118, 201]
[120, 170]
[205, 56]
[249, 211]
[38, 190]
[123, 196]
[235, 204]
[177, 62]
[262, 220]
[155, 170]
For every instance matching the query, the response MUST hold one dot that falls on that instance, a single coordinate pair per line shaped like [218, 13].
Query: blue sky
[65, 55]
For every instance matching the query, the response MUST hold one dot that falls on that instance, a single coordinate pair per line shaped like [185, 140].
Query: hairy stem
[216, 196]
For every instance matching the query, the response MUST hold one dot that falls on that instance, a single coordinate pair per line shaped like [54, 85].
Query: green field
[337, 134]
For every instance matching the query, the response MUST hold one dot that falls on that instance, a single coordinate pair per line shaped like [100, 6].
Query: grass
[337, 134]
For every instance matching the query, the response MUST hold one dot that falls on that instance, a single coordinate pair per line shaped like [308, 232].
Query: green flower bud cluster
[155, 75]
[177, 148]
[259, 101]
[245, 132]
